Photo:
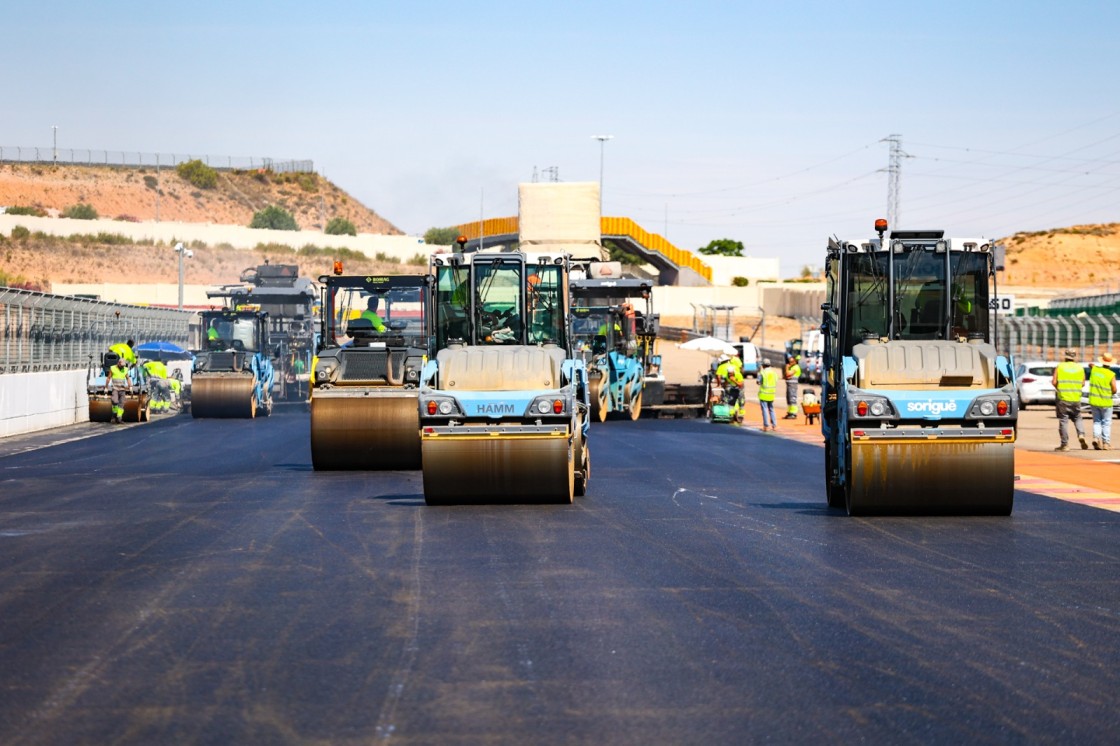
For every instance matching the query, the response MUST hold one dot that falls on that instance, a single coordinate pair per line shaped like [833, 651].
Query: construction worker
[117, 380]
[213, 336]
[731, 379]
[1068, 379]
[370, 314]
[767, 388]
[123, 351]
[160, 386]
[791, 374]
[1102, 387]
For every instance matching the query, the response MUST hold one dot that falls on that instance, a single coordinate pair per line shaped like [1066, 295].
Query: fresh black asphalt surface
[195, 581]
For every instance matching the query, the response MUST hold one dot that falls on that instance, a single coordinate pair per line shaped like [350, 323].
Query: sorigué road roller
[919, 409]
[375, 338]
[232, 376]
[504, 403]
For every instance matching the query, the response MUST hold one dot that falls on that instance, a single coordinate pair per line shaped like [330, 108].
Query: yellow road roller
[504, 404]
[919, 408]
[375, 338]
[233, 376]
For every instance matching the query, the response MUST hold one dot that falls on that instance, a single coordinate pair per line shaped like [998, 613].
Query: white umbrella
[711, 345]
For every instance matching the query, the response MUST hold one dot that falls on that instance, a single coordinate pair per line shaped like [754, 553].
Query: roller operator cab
[919, 408]
[504, 402]
[615, 331]
[375, 338]
[233, 374]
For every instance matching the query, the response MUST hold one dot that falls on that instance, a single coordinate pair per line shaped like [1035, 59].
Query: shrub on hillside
[340, 227]
[80, 211]
[275, 218]
[740, 282]
[197, 173]
[19, 233]
[441, 236]
[151, 182]
[35, 212]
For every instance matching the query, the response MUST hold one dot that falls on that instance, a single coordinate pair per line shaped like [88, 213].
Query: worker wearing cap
[157, 381]
[1068, 379]
[1102, 387]
[117, 380]
[767, 388]
[792, 375]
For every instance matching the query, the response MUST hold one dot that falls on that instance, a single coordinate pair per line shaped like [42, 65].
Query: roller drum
[600, 399]
[100, 408]
[498, 469]
[136, 408]
[223, 396]
[365, 431]
[961, 478]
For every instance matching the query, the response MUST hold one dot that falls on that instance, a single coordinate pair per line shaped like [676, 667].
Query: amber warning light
[880, 226]
[338, 268]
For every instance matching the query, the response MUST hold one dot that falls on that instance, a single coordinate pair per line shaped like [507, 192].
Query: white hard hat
[724, 358]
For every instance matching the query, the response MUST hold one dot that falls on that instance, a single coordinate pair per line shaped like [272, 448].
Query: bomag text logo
[929, 406]
[494, 408]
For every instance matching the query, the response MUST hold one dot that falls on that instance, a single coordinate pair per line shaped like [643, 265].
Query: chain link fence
[42, 332]
[124, 159]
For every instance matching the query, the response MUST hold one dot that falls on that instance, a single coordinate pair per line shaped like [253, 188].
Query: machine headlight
[878, 409]
[550, 405]
[544, 407]
[446, 407]
[987, 408]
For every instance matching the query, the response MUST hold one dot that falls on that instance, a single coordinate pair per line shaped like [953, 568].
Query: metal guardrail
[1044, 338]
[125, 159]
[43, 332]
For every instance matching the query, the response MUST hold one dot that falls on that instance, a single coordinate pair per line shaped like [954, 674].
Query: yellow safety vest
[118, 375]
[767, 384]
[1100, 386]
[729, 372]
[1071, 376]
[794, 372]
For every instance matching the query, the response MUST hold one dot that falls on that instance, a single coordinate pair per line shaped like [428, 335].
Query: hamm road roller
[375, 338]
[919, 408]
[504, 403]
[232, 376]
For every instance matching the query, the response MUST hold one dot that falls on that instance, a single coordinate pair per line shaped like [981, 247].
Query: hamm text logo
[931, 407]
[496, 408]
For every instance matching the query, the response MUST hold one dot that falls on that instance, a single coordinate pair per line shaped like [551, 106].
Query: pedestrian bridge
[675, 266]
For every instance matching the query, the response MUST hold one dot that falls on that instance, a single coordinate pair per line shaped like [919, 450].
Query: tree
[340, 227]
[441, 236]
[723, 247]
[618, 254]
[274, 217]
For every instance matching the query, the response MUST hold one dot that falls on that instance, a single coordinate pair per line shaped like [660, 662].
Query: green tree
[723, 247]
[274, 217]
[340, 227]
[441, 236]
[198, 174]
[80, 211]
[619, 254]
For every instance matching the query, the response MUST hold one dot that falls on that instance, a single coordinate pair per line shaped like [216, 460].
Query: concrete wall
[38, 401]
[239, 237]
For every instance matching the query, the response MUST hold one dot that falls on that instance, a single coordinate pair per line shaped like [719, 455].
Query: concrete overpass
[675, 266]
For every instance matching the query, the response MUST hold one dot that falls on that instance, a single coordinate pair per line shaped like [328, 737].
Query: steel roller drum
[497, 469]
[961, 478]
[365, 430]
[100, 408]
[223, 396]
[136, 408]
[600, 404]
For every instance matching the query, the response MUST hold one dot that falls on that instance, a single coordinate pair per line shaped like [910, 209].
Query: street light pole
[602, 145]
[54, 128]
[183, 254]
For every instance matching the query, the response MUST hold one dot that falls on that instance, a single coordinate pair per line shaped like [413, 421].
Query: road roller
[616, 339]
[375, 338]
[919, 408]
[136, 398]
[232, 376]
[504, 403]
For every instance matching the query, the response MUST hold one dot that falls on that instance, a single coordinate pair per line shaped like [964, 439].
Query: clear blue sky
[759, 122]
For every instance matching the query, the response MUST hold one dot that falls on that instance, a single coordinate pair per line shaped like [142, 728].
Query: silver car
[1034, 380]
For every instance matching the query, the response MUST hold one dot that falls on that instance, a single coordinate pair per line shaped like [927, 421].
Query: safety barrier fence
[125, 159]
[1045, 338]
[43, 332]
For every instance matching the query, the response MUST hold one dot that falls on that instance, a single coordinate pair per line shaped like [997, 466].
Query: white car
[1034, 380]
